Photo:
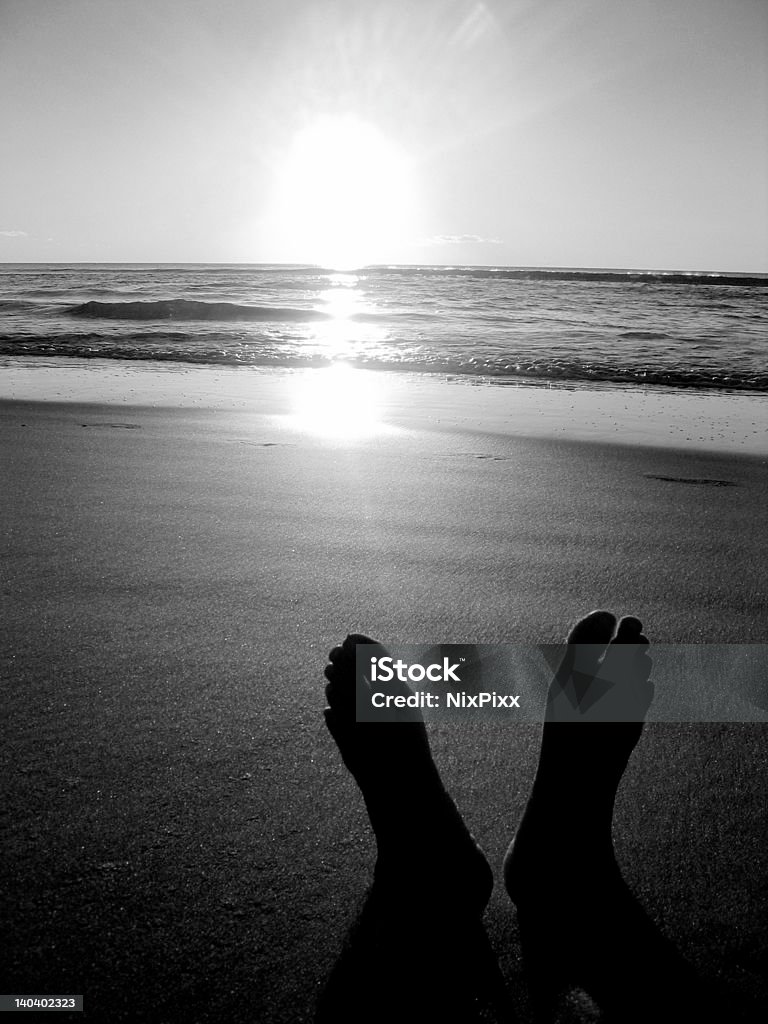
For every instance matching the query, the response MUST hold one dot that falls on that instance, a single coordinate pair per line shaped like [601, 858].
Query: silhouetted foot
[583, 757]
[418, 950]
[579, 922]
[424, 847]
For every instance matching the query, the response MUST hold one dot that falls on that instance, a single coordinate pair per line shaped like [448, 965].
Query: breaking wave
[193, 309]
[223, 350]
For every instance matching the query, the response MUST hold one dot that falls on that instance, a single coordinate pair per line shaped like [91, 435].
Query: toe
[595, 628]
[629, 631]
[332, 691]
[341, 681]
[353, 639]
[345, 688]
[587, 641]
[628, 667]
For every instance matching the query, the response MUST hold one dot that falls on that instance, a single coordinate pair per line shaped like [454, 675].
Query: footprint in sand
[114, 426]
[268, 444]
[702, 481]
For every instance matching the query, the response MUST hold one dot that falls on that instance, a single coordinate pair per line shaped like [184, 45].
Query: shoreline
[698, 422]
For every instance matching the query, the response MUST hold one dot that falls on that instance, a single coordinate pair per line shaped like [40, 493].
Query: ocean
[496, 324]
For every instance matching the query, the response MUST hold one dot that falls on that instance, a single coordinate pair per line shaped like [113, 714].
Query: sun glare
[339, 402]
[344, 196]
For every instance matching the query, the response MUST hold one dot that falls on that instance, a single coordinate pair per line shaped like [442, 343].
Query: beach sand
[181, 841]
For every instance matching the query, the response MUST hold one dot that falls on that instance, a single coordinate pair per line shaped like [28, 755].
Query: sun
[344, 196]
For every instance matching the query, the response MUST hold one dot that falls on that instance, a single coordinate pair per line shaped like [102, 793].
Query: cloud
[14, 234]
[460, 240]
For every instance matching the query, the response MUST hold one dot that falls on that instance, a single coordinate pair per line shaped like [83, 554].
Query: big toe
[343, 683]
[595, 628]
[353, 639]
[587, 642]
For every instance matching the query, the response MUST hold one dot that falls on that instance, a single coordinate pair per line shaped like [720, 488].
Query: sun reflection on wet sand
[339, 402]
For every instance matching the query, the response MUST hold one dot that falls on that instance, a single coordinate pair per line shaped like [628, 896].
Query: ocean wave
[48, 293]
[193, 309]
[174, 347]
[623, 277]
[16, 305]
[643, 335]
[634, 329]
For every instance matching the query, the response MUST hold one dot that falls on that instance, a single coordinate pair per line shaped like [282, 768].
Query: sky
[555, 133]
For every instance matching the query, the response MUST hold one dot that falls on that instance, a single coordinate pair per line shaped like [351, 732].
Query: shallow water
[637, 329]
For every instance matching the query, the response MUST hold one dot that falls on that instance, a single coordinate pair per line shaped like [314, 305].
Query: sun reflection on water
[349, 330]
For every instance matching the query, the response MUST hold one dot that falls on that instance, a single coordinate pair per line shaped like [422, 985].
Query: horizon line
[387, 266]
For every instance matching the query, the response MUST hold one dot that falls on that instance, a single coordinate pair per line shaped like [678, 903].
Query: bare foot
[423, 843]
[604, 672]
[579, 922]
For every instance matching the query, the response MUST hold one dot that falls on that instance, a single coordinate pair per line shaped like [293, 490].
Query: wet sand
[181, 841]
